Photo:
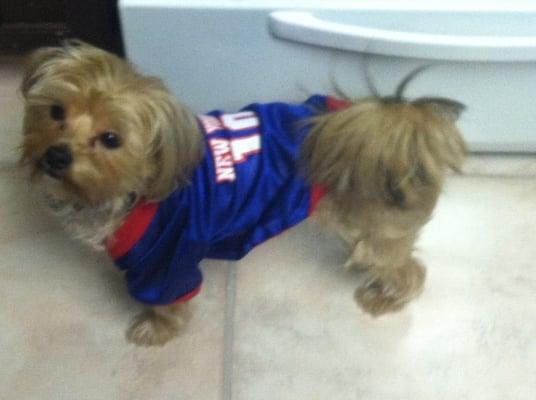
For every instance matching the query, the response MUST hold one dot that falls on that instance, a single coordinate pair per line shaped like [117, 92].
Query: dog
[129, 169]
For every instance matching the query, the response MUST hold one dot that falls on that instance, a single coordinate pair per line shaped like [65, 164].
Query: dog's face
[95, 129]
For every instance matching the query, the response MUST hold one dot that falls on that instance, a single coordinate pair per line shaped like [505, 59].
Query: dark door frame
[94, 21]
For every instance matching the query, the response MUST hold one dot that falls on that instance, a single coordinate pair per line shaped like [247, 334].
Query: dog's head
[96, 130]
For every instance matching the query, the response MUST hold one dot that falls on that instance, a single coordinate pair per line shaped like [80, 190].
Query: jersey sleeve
[166, 277]
[160, 261]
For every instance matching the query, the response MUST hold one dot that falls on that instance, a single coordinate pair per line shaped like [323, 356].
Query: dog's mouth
[42, 166]
[58, 191]
[51, 172]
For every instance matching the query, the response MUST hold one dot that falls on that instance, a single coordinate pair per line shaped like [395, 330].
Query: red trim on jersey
[317, 193]
[188, 296]
[334, 104]
[132, 229]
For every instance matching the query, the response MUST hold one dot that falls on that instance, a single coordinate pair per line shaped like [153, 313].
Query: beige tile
[298, 334]
[64, 311]
[521, 165]
[20, 214]
[11, 112]
[10, 97]
[10, 142]
[63, 317]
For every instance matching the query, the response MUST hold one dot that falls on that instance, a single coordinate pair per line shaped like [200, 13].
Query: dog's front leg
[391, 276]
[157, 325]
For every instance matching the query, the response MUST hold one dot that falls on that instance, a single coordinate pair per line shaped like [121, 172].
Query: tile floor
[281, 323]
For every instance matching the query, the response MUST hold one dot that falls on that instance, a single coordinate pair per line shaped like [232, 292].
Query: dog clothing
[247, 189]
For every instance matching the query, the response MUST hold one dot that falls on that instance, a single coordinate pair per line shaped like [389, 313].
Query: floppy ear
[445, 108]
[175, 145]
[33, 70]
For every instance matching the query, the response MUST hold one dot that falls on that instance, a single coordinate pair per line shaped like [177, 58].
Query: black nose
[58, 157]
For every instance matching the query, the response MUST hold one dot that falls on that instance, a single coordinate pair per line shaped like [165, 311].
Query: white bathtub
[225, 54]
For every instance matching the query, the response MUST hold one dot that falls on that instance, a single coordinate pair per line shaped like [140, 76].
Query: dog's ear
[175, 142]
[34, 66]
[445, 108]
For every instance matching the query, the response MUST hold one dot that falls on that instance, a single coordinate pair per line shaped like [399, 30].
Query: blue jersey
[247, 188]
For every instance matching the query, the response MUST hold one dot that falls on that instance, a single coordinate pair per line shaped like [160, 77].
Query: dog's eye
[110, 140]
[57, 112]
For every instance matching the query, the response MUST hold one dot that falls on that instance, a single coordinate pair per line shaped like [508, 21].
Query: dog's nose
[58, 157]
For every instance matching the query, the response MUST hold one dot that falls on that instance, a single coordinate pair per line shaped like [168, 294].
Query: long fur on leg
[383, 162]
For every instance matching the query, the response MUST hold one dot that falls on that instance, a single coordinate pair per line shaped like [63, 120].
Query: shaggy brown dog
[382, 161]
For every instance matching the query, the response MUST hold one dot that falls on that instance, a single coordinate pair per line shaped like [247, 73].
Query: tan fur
[382, 162]
[158, 325]
[382, 151]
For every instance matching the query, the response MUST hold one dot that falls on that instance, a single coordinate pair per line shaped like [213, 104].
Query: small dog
[128, 168]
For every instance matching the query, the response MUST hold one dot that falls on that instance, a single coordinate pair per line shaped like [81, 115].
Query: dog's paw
[382, 294]
[376, 299]
[150, 328]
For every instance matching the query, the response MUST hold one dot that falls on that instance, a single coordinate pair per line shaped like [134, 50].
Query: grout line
[228, 332]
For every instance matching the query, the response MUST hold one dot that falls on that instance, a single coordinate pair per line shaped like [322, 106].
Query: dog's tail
[385, 149]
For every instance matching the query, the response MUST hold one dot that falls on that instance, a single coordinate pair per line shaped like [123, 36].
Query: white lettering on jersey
[240, 121]
[244, 147]
[210, 124]
[223, 160]
[227, 153]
